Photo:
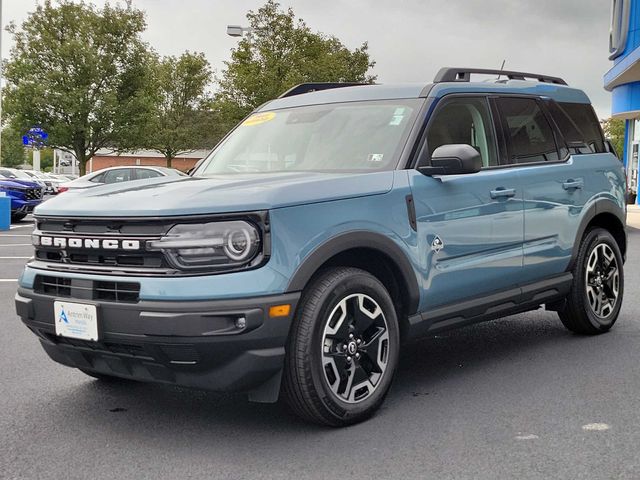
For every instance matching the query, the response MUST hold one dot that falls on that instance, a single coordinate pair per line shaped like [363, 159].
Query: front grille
[101, 259]
[104, 258]
[116, 291]
[54, 286]
[81, 289]
[33, 193]
[83, 241]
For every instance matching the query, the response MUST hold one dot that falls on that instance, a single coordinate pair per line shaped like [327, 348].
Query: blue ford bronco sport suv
[331, 225]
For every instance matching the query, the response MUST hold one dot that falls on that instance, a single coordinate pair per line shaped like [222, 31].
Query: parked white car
[118, 175]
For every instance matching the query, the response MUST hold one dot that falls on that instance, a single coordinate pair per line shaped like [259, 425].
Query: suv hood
[218, 194]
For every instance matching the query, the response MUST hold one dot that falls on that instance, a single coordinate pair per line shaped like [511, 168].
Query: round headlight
[238, 244]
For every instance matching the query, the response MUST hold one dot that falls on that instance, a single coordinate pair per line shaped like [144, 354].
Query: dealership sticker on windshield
[258, 118]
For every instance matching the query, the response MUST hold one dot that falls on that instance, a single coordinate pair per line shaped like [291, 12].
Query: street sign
[36, 137]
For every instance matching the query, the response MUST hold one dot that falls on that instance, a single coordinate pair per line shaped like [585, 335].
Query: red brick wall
[100, 162]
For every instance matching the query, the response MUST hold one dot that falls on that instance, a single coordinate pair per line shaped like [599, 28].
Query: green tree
[182, 119]
[614, 131]
[280, 52]
[81, 73]
[13, 152]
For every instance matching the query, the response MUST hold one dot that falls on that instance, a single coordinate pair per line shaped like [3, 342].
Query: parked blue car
[333, 225]
[25, 196]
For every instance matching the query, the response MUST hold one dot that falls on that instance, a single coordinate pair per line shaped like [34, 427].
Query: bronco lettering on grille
[90, 243]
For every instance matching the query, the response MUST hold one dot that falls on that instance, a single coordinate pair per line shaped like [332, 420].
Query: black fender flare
[601, 205]
[359, 239]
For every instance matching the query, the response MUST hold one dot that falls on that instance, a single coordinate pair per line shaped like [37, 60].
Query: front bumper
[188, 343]
[19, 206]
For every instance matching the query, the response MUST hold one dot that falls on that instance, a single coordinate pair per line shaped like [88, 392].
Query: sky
[409, 39]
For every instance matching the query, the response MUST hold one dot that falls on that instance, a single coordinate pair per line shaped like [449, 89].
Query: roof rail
[449, 74]
[314, 87]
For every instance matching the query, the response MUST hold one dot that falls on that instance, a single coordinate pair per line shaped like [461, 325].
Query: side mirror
[455, 159]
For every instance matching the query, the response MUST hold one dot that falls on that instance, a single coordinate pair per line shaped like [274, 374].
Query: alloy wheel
[602, 280]
[355, 348]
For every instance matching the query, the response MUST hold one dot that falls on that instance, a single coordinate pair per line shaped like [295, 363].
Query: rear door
[553, 185]
[470, 227]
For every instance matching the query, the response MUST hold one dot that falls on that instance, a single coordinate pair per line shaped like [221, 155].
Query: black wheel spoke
[368, 361]
[373, 342]
[359, 376]
[361, 321]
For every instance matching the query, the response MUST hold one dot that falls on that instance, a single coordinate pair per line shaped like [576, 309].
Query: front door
[470, 227]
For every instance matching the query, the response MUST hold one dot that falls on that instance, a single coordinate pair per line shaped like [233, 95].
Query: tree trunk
[81, 157]
[169, 159]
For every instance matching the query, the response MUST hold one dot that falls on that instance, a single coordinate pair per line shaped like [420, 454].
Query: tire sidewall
[368, 285]
[596, 237]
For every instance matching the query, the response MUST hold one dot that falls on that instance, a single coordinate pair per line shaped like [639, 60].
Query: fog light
[241, 322]
[279, 310]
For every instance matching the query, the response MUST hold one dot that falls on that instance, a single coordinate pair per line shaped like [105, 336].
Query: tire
[592, 306]
[17, 217]
[330, 377]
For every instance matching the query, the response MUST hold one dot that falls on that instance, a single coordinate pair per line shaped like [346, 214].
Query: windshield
[339, 137]
[7, 174]
[21, 174]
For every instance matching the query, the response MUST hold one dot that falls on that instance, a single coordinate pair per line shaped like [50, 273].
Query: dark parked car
[25, 196]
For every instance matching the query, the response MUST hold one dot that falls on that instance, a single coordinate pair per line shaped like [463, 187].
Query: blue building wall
[623, 80]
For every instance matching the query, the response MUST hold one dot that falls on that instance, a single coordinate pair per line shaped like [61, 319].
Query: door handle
[502, 192]
[572, 184]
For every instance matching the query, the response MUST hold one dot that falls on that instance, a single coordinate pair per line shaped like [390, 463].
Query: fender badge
[437, 244]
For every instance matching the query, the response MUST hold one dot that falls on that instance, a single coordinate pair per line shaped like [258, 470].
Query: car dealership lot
[515, 398]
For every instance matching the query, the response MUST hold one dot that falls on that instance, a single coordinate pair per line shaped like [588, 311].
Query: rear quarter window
[578, 123]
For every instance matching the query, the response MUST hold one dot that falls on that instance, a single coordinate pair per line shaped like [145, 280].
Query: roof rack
[314, 87]
[449, 74]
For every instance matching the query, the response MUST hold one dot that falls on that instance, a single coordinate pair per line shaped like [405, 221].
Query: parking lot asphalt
[516, 398]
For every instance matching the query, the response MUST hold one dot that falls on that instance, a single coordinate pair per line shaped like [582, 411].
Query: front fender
[358, 239]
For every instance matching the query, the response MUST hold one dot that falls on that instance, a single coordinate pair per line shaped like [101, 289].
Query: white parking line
[595, 427]
[13, 235]
[21, 226]
[21, 258]
[17, 245]
[8, 279]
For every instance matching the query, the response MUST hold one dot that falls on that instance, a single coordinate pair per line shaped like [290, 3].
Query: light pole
[234, 30]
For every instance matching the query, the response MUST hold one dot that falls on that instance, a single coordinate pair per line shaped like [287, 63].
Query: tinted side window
[117, 176]
[144, 173]
[98, 178]
[464, 120]
[587, 123]
[529, 135]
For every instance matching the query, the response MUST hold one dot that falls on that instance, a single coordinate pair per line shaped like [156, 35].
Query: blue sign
[35, 137]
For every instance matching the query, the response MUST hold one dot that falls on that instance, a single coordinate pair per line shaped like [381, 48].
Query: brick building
[104, 159]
